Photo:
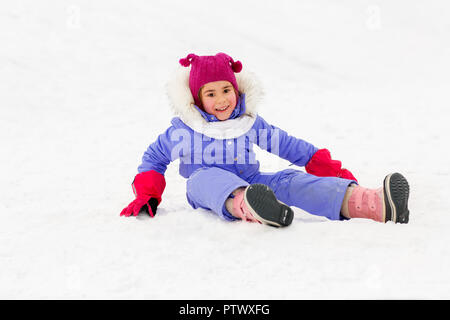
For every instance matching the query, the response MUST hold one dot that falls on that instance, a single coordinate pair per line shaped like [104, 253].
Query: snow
[82, 96]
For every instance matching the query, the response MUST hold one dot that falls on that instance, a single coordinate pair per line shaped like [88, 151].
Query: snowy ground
[82, 96]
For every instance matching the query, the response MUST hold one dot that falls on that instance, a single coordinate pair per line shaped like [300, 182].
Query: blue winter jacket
[196, 150]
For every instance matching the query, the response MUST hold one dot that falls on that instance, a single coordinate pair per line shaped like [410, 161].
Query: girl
[213, 136]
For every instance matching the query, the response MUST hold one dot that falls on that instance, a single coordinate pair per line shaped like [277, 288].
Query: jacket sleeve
[279, 142]
[159, 154]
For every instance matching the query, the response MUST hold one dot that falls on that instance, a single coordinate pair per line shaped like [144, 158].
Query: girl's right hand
[140, 204]
[148, 187]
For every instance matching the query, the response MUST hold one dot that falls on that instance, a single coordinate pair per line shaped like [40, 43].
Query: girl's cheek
[233, 100]
[209, 105]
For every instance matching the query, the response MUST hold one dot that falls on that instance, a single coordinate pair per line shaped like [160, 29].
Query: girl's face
[218, 98]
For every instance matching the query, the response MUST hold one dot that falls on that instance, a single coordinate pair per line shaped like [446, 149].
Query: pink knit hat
[204, 69]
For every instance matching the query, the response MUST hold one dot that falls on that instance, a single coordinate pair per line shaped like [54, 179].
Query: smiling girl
[218, 109]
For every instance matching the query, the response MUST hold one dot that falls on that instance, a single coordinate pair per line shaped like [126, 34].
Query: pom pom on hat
[186, 62]
[236, 66]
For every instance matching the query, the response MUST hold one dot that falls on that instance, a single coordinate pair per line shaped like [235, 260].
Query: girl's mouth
[222, 109]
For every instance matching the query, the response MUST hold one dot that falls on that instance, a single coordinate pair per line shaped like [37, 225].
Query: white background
[82, 96]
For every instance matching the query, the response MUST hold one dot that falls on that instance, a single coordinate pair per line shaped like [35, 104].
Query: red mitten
[148, 188]
[322, 165]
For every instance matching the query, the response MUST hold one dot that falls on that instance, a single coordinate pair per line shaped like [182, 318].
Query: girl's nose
[221, 99]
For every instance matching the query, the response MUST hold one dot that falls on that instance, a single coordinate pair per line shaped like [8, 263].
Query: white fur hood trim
[182, 104]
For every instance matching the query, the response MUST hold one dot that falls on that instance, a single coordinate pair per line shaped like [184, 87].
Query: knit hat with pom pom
[204, 69]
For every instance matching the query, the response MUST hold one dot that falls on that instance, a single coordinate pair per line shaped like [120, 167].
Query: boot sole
[265, 207]
[396, 194]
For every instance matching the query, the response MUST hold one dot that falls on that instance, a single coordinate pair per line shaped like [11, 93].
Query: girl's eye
[210, 94]
[226, 90]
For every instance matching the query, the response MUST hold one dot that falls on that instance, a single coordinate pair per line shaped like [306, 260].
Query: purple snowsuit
[216, 167]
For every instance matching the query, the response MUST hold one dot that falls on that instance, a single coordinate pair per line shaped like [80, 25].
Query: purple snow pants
[208, 188]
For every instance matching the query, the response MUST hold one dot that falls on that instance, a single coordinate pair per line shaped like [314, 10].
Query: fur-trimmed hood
[182, 104]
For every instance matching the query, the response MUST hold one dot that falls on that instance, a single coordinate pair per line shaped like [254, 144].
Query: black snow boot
[396, 194]
[263, 205]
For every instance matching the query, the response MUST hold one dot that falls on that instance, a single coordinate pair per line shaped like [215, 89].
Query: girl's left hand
[322, 165]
